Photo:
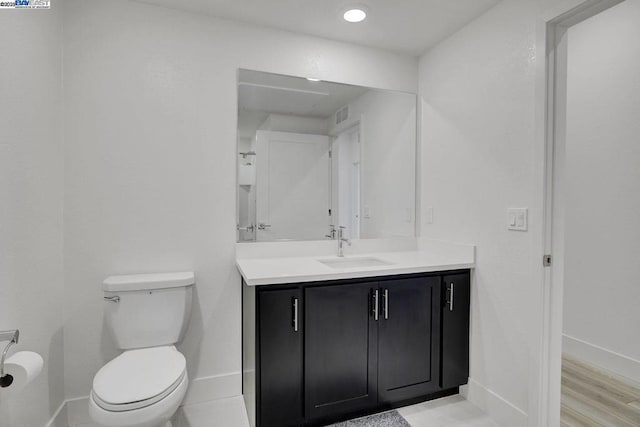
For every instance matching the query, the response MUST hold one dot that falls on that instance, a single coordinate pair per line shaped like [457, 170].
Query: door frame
[550, 125]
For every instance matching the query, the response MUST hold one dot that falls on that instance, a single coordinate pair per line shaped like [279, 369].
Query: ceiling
[406, 26]
[261, 94]
[275, 93]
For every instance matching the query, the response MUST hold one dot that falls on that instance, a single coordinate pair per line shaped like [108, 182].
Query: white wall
[602, 207]
[150, 115]
[388, 166]
[479, 157]
[31, 192]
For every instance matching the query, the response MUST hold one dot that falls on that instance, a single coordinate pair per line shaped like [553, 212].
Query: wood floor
[593, 397]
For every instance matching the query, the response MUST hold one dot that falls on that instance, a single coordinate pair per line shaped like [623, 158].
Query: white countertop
[293, 269]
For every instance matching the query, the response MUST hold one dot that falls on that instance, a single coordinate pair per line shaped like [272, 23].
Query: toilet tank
[148, 310]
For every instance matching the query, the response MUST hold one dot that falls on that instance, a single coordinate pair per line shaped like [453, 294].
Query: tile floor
[453, 411]
[228, 412]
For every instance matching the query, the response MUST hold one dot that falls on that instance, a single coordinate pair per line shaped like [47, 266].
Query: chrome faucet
[342, 240]
[332, 232]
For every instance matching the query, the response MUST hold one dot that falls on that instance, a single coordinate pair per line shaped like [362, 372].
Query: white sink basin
[353, 262]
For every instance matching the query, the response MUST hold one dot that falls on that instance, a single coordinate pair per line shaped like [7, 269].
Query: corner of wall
[497, 407]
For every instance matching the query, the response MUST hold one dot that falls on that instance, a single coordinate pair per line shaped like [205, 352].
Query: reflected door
[292, 190]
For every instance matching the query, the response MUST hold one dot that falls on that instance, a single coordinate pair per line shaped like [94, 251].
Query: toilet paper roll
[24, 366]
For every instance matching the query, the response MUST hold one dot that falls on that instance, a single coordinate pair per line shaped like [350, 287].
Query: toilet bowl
[139, 388]
[146, 383]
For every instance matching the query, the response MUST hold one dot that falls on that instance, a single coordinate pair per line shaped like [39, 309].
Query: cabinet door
[280, 358]
[340, 349]
[455, 330]
[409, 338]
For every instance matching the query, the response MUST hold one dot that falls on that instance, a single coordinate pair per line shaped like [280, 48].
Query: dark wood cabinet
[280, 358]
[326, 351]
[409, 338]
[340, 349]
[455, 330]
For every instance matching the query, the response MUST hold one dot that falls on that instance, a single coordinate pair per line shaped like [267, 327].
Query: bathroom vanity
[326, 337]
[378, 331]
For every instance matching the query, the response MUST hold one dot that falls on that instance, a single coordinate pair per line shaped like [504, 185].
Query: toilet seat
[138, 378]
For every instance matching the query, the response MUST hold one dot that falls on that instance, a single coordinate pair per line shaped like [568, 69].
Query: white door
[292, 189]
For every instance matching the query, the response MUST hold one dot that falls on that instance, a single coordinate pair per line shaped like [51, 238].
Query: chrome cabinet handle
[263, 226]
[451, 297]
[115, 299]
[386, 304]
[295, 314]
[375, 305]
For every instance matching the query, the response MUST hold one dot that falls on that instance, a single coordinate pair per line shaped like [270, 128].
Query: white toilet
[147, 314]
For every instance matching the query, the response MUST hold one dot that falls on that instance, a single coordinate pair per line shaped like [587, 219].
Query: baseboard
[76, 411]
[497, 407]
[601, 357]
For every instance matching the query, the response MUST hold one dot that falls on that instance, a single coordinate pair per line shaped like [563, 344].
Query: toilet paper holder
[11, 336]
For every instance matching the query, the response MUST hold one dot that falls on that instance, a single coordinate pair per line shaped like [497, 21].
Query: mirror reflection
[316, 156]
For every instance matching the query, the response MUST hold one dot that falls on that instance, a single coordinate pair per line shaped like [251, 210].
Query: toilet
[144, 386]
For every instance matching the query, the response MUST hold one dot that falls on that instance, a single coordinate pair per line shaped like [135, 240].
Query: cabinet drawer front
[280, 355]
[408, 342]
[340, 349]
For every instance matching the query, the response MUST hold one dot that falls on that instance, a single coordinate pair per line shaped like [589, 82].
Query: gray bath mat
[385, 419]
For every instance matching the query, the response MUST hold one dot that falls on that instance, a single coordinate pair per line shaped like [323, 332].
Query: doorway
[592, 182]
[292, 171]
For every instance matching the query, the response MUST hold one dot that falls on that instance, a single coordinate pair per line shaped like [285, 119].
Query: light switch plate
[429, 215]
[518, 219]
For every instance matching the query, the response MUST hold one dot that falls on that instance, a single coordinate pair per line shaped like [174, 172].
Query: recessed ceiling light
[313, 80]
[355, 15]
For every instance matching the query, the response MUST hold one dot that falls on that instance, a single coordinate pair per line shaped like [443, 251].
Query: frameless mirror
[314, 156]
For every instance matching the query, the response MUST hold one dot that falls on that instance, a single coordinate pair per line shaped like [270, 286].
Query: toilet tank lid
[139, 282]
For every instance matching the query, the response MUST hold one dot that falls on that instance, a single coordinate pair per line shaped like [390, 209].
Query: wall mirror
[315, 155]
